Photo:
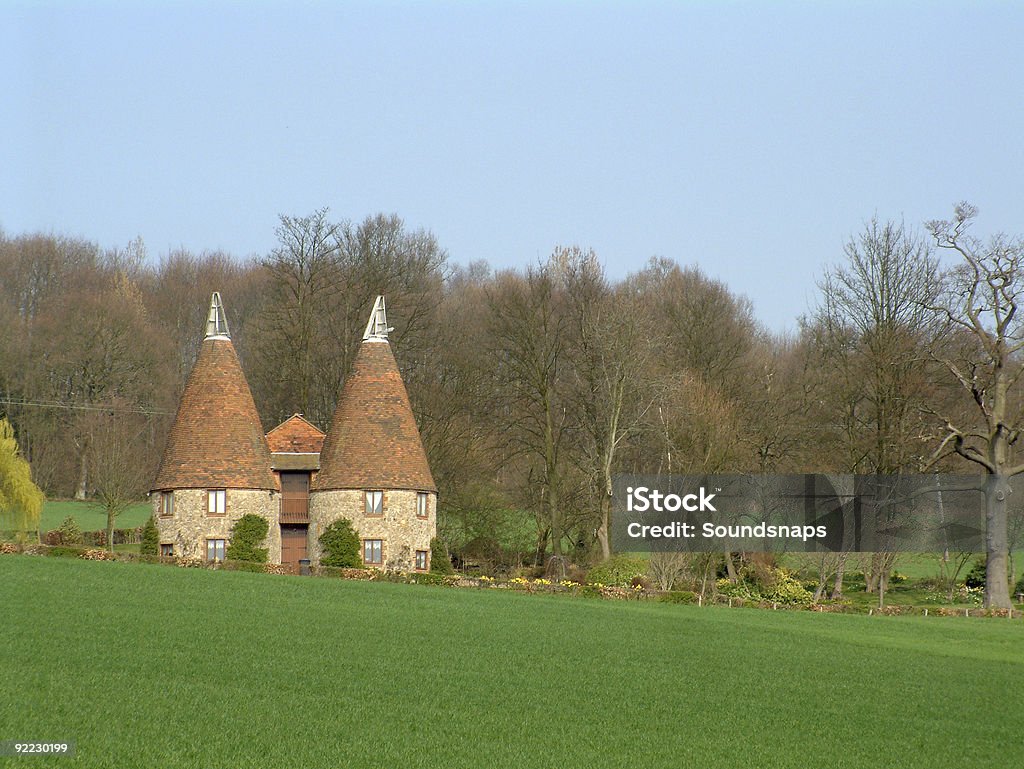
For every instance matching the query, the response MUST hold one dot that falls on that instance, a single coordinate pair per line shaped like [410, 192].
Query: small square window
[166, 550]
[422, 505]
[216, 501]
[373, 552]
[422, 560]
[215, 550]
[167, 504]
[374, 502]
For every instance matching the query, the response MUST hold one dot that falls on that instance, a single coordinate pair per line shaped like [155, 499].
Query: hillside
[155, 666]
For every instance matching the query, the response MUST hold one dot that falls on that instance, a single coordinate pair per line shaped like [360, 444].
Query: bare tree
[528, 338]
[119, 467]
[869, 334]
[610, 359]
[306, 279]
[984, 354]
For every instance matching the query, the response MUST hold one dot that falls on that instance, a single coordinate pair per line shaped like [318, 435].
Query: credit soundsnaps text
[643, 499]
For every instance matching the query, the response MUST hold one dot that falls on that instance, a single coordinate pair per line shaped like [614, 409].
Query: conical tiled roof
[216, 440]
[373, 442]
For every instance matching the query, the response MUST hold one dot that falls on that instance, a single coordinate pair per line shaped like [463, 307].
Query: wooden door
[293, 543]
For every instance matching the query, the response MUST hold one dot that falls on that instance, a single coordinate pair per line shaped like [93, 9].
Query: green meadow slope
[90, 516]
[155, 666]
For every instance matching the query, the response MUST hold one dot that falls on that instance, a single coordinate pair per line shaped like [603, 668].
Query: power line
[83, 407]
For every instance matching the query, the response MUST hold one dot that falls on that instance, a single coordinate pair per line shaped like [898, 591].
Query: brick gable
[296, 435]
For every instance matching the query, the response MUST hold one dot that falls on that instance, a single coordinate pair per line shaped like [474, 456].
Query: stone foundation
[401, 531]
[191, 525]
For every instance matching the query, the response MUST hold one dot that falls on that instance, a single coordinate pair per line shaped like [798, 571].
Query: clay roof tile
[373, 441]
[216, 440]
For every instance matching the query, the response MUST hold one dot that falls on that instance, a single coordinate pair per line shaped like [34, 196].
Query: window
[422, 500]
[373, 552]
[215, 550]
[166, 550]
[216, 501]
[167, 503]
[374, 502]
[421, 560]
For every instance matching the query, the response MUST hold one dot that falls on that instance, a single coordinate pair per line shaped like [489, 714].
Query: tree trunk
[111, 515]
[83, 476]
[603, 529]
[997, 590]
[837, 586]
[730, 569]
[871, 575]
[819, 592]
[542, 547]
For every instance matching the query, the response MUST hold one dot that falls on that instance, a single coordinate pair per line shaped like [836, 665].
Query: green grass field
[89, 516]
[155, 666]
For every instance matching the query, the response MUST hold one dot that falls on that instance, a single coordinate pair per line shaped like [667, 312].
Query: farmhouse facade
[370, 466]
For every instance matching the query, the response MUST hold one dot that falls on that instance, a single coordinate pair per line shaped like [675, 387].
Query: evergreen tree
[150, 538]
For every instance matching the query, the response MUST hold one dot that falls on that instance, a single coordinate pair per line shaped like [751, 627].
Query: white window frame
[212, 544]
[373, 503]
[368, 544]
[167, 504]
[216, 501]
[422, 504]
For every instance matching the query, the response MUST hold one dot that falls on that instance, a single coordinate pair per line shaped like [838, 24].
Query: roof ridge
[296, 415]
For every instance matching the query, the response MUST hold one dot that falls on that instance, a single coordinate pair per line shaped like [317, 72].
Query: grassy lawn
[89, 516]
[155, 666]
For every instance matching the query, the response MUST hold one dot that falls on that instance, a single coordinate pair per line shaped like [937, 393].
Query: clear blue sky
[749, 138]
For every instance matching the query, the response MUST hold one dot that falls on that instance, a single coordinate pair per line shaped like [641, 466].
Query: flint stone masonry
[191, 525]
[401, 531]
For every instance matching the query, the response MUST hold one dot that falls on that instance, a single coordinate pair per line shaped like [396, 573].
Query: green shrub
[150, 538]
[247, 535]
[976, 576]
[70, 532]
[774, 584]
[788, 590]
[1019, 587]
[341, 545]
[618, 571]
[440, 561]
[739, 589]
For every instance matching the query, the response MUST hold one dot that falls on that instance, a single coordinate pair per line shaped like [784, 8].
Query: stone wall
[401, 531]
[191, 526]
